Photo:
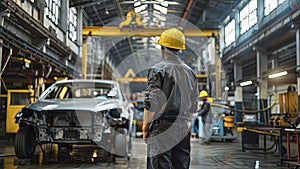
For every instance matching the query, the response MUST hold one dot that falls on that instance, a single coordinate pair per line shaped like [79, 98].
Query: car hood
[78, 104]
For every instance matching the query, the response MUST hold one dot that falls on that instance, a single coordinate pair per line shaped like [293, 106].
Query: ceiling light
[157, 7]
[140, 8]
[144, 7]
[165, 4]
[162, 9]
[160, 17]
[246, 83]
[173, 3]
[277, 74]
[138, 3]
[95, 154]
[156, 12]
[106, 11]
[155, 38]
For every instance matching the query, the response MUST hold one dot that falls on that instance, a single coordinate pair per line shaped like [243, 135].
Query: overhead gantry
[133, 26]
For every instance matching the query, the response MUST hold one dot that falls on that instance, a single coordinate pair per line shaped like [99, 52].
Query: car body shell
[78, 120]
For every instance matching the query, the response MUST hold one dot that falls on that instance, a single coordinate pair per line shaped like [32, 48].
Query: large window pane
[19, 98]
[280, 1]
[248, 16]
[73, 24]
[53, 10]
[270, 5]
[230, 32]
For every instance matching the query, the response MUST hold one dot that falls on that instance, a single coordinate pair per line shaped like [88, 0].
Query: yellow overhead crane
[139, 31]
[130, 27]
[131, 77]
[133, 26]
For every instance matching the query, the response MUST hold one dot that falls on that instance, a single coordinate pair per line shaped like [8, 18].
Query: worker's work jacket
[172, 91]
[205, 112]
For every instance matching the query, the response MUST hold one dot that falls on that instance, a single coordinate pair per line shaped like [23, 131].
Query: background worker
[205, 113]
[170, 100]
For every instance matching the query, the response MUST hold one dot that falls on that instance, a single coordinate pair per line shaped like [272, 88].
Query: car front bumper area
[76, 135]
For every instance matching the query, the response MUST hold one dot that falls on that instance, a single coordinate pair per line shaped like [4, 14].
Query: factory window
[19, 98]
[248, 16]
[73, 24]
[53, 10]
[270, 5]
[230, 32]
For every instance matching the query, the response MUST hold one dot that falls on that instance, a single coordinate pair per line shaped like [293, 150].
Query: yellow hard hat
[172, 38]
[203, 93]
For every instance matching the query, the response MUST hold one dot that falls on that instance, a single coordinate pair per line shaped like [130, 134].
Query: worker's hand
[145, 136]
[189, 124]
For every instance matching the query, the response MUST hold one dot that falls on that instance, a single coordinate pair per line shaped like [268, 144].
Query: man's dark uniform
[172, 96]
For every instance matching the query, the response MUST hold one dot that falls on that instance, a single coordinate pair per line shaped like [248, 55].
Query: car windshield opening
[83, 90]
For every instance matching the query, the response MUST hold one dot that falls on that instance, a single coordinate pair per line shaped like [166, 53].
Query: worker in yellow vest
[205, 113]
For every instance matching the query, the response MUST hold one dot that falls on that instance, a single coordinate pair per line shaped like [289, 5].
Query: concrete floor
[218, 155]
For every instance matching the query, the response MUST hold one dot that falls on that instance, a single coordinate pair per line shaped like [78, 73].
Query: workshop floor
[217, 155]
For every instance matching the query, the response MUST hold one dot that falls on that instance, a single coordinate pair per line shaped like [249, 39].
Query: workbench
[254, 130]
[278, 133]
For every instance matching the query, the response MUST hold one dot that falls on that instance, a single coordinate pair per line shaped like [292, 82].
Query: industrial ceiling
[202, 14]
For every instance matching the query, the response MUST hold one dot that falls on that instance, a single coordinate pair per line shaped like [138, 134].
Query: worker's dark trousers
[176, 158]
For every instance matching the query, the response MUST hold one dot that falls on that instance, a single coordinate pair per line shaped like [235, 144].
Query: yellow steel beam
[139, 31]
[201, 76]
[131, 79]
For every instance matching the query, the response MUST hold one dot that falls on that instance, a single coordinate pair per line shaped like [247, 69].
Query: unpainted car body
[76, 112]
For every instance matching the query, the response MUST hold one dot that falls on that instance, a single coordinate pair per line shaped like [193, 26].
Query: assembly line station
[245, 53]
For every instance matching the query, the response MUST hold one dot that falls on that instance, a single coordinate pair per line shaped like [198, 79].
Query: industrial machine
[16, 100]
[288, 103]
[223, 124]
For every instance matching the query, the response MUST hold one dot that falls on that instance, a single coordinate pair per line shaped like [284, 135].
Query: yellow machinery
[202, 81]
[16, 99]
[288, 103]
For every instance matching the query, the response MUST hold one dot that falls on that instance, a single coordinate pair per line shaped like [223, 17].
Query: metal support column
[238, 93]
[260, 11]
[262, 85]
[298, 64]
[216, 80]
[1, 53]
[84, 60]
[218, 69]
[79, 26]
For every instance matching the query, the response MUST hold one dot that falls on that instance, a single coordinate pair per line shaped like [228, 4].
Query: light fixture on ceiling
[162, 9]
[165, 4]
[173, 3]
[106, 11]
[246, 83]
[140, 8]
[279, 74]
[138, 3]
[160, 17]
